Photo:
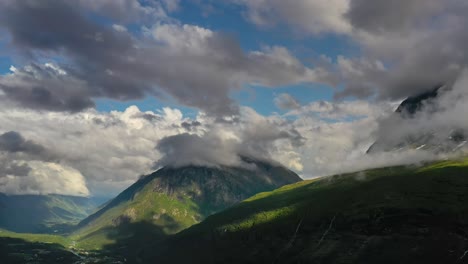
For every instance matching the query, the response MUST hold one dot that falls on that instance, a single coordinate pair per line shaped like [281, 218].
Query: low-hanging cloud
[436, 123]
[253, 136]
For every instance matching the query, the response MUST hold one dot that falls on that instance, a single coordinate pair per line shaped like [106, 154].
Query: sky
[96, 93]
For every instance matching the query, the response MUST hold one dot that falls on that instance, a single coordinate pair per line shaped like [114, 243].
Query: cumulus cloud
[264, 138]
[14, 147]
[311, 16]
[46, 178]
[421, 43]
[45, 87]
[110, 150]
[27, 167]
[406, 47]
[195, 65]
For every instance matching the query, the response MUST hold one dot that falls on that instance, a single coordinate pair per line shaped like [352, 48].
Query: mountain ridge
[172, 199]
[405, 214]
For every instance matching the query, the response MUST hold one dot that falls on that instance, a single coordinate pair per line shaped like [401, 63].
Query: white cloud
[119, 28]
[111, 150]
[310, 16]
[183, 37]
[106, 148]
[46, 178]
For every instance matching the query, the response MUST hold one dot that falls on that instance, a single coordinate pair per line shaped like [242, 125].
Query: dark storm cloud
[14, 144]
[14, 147]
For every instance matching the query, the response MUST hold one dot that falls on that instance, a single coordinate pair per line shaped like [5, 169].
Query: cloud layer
[196, 66]
[68, 54]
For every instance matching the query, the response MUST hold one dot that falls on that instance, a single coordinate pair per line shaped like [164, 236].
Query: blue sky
[230, 20]
[276, 57]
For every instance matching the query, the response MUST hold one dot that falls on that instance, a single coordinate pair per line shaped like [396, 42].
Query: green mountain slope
[389, 215]
[173, 199]
[43, 213]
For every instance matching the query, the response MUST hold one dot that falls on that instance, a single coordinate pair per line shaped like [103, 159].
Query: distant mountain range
[44, 213]
[172, 199]
[454, 140]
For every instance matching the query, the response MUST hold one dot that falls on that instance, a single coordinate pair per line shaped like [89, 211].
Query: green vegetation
[389, 215]
[411, 214]
[170, 200]
[44, 238]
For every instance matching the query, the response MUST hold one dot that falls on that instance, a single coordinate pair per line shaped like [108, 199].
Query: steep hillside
[173, 199]
[390, 215]
[43, 213]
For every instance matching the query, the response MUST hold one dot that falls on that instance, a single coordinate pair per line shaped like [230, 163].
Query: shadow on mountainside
[402, 215]
[15, 250]
[132, 239]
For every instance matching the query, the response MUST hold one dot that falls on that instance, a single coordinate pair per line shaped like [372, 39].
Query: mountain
[414, 104]
[453, 140]
[43, 213]
[389, 215]
[172, 199]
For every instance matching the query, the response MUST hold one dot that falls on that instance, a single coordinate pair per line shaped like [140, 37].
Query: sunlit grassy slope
[44, 238]
[173, 199]
[389, 215]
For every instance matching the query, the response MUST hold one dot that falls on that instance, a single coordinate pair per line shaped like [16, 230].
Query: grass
[44, 238]
[172, 214]
[358, 217]
[365, 213]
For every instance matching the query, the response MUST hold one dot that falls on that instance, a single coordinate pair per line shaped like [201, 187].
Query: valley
[399, 212]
